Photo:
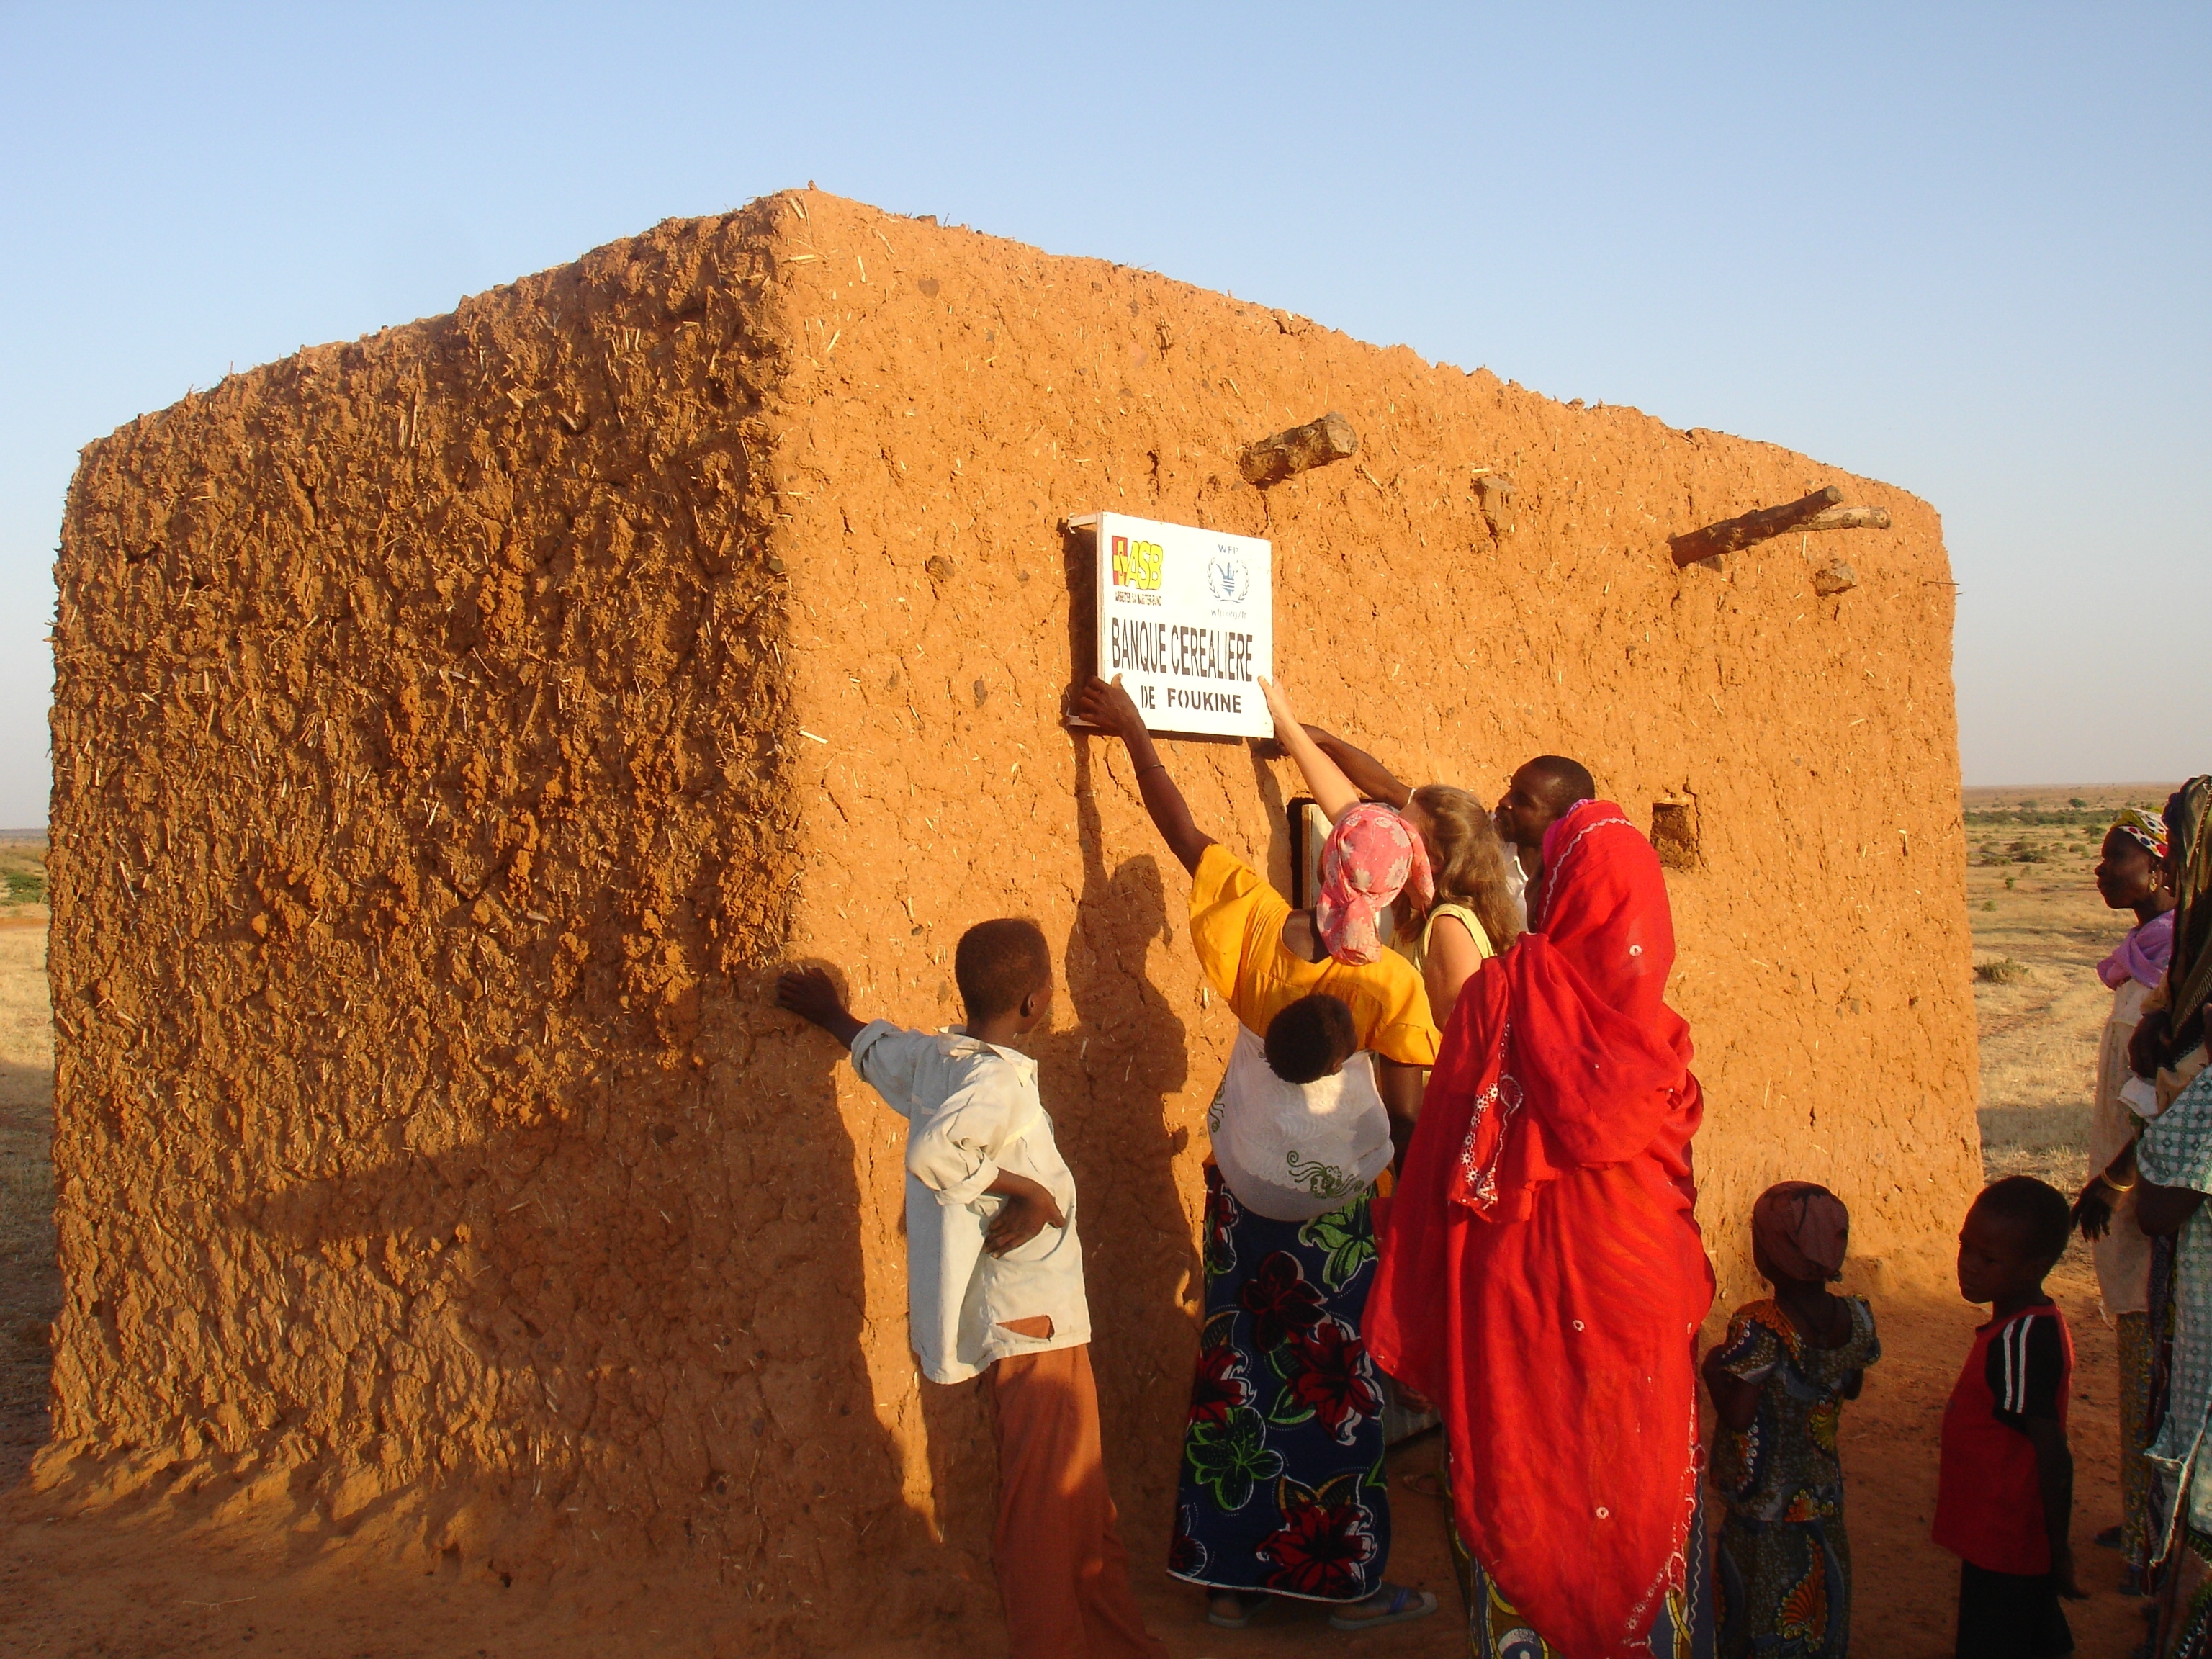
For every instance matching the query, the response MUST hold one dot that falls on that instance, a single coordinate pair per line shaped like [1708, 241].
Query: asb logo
[1136, 564]
[1229, 579]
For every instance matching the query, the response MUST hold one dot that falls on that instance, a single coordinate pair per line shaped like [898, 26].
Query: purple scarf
[2141, 955]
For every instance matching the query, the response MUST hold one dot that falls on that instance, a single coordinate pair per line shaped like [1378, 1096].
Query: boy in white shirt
[994, 1281]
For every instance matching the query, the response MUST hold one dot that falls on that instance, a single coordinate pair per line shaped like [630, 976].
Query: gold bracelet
[2115, 1186]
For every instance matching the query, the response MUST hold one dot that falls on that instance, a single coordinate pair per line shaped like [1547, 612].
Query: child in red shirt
[2005, 1506]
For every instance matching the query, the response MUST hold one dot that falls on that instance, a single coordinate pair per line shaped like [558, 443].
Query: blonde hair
[1469, 860]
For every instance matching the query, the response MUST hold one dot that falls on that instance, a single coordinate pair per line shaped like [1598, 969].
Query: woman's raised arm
[1110, 710]
[1332, 790]
[1373, 780]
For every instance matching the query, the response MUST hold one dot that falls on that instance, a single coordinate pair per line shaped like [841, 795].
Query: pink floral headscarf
[1369, 859]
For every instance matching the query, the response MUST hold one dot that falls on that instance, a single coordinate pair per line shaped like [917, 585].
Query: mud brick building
[455, 729]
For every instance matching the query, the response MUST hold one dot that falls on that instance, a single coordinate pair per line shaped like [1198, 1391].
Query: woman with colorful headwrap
[2131, 875]
[1778, 1382]
[1281, 1490]
[1545, 1277]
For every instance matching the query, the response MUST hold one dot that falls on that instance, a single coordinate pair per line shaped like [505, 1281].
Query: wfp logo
[1136, 564]
[1229, 579]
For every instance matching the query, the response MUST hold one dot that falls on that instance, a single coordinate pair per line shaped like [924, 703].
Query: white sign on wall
[1186, 617]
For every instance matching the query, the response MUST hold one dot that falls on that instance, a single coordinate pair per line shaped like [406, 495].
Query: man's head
[1541, 794]
[1003, 970]
[1311, 1039]
[2015, 1234]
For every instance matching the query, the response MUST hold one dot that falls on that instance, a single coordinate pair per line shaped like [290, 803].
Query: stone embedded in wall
[1496, 496]
[1317, 443]
[1833, 578]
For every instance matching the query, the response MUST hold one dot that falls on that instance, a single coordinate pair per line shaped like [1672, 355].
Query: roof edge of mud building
[773, 230]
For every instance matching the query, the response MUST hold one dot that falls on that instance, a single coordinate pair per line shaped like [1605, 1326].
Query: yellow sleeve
[1236, 922]
[1411, 1043]
[1403, 1029]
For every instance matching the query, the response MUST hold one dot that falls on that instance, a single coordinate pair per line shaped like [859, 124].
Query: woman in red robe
[1542, 1279]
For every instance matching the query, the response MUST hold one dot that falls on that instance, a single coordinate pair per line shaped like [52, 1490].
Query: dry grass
[30, 1285]
[22, 877]
[2039, 931]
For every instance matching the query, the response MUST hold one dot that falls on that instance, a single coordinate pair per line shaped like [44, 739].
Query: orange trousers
[1063, 1574]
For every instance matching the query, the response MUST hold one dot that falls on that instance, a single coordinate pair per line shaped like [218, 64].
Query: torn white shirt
[972, 1109]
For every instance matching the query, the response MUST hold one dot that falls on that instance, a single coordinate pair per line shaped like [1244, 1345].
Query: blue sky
[1962, 248]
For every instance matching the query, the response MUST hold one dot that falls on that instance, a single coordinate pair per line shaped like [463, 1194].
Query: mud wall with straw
[455, 730]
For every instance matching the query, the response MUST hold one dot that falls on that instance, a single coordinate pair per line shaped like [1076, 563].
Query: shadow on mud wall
[641, 1321]
[1110, 1075]
[1281, 846]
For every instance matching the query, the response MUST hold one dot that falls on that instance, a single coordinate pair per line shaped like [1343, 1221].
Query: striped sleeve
[2026, 1363]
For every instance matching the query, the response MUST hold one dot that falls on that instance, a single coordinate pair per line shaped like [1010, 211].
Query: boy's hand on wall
[1029, 1210]
[1110, 708]
[811, 994]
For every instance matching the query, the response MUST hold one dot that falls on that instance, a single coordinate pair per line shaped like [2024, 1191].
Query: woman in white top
[1473, 916]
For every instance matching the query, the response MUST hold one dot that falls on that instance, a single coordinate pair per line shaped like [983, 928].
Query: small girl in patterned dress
[1778, 1382]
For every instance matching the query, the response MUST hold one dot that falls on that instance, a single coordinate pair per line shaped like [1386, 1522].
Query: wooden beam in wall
[1765, 525]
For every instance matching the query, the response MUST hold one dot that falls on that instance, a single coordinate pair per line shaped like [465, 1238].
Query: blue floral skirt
[1785, 1586]
[1282, 1483]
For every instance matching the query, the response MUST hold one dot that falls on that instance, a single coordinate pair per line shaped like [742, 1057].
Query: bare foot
[1234, 1609]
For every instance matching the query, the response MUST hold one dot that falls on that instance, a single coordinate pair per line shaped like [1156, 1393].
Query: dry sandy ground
[202, 1572]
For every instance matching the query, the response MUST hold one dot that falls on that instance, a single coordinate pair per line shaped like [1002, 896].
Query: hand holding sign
[1332, 791]
[1110, 708]
[1279, 709]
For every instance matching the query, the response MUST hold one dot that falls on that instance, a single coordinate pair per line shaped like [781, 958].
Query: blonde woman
[1473, 916]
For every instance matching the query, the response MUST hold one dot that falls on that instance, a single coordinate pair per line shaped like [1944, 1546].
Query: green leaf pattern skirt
[1282, 1483]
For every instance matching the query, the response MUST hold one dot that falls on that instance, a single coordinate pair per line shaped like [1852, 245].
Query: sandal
[1249, 1605]
[1402, 1606]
